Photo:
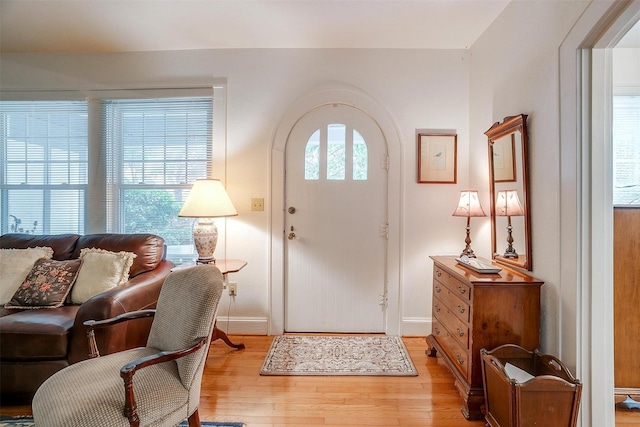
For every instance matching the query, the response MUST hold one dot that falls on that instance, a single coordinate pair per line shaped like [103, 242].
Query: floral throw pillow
[47, 285]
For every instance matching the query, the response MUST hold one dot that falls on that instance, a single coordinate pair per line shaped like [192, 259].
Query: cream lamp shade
[508, 203]
[207, 200]
[468, 206]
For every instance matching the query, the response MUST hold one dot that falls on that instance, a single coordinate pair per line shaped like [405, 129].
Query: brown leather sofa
[34, 344]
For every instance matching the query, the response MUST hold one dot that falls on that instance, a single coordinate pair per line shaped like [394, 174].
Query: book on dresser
[474, 310]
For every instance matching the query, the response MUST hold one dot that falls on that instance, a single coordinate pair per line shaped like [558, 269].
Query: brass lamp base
[468, 252]
[510, 252]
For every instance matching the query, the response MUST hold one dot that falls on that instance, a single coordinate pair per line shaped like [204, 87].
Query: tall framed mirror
[509, 189]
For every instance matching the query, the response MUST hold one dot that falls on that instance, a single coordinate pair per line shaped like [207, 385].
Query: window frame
[96, 217]
[636, 202]
[46, 188]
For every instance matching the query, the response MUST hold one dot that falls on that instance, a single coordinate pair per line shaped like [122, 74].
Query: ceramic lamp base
[205, 239]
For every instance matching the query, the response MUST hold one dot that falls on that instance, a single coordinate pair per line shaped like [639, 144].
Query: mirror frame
[508, 126]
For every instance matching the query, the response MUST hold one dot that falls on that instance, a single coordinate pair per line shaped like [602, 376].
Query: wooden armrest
[138, 314]
[128, 370]
[91, 325]
[163, 356]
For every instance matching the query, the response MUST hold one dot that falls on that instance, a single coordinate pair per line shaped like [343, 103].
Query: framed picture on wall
[504, 161]
[437, 154]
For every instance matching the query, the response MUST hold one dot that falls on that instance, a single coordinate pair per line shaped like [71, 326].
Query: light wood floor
[233, 390]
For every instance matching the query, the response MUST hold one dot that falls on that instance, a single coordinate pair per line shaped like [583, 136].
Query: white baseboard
[416, 326]
[626, 391]
[411, 326]
[243, 325]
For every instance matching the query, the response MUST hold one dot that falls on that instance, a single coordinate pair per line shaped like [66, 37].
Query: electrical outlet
[233, 289]
[257, 204]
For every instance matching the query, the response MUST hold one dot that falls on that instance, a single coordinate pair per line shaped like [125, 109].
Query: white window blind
[154, 150]
[626, 150]
[44, 155]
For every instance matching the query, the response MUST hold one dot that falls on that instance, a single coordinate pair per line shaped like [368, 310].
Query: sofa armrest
[139, 293]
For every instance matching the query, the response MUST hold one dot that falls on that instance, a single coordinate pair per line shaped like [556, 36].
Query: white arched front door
[336, 223]
[344, 95]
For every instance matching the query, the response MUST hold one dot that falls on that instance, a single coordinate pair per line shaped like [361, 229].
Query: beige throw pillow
[15, 264]
[101, 270]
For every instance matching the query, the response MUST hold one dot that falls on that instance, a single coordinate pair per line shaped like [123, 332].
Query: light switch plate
[257, 204]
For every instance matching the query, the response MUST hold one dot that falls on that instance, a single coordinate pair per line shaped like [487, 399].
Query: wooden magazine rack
[549, 397]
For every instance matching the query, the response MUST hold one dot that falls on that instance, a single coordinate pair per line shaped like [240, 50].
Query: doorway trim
[334, 94]
[586, 246]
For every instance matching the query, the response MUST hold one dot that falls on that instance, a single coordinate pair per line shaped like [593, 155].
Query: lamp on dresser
[207, 200]
[508, 204]
[468, 206]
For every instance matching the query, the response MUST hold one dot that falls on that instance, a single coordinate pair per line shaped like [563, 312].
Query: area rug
[28, 422]
[338, 355]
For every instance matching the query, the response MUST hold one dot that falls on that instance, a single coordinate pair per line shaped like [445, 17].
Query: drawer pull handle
[460, 331]
[438, 289]
[437, 330]
[462, 289]
[461, 309]
[438, 273]
[459, 359]
[437, 308]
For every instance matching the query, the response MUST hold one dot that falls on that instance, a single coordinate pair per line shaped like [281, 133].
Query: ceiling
[152, 25]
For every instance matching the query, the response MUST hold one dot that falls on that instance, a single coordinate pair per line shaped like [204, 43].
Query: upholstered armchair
[156, 385]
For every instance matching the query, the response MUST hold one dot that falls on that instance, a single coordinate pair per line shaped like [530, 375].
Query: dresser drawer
[450, 299]
[504, 308]
[458, 288]
[458, 356]
[458, 328]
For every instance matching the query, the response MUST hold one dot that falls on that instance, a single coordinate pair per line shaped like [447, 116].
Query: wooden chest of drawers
[473, 311]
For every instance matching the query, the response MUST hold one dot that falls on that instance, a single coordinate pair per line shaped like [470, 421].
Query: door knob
[291, 235]
[291, 210]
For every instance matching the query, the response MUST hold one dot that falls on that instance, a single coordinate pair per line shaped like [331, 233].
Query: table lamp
[207, 200]
[469, 205]
[508, 204]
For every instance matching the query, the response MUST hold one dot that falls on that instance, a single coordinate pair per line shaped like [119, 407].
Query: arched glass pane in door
[336, 151]
[312, 157]
[339, 151]
[360, 157]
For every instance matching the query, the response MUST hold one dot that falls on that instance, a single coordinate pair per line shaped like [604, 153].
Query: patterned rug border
[401, 367]
[27, 421]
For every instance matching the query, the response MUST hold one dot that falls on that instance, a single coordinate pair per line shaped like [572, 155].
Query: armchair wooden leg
[194, 419]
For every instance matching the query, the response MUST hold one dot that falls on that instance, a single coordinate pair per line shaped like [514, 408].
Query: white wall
[571, 245]
[514, 70]
[626, 71]
[421, 89]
